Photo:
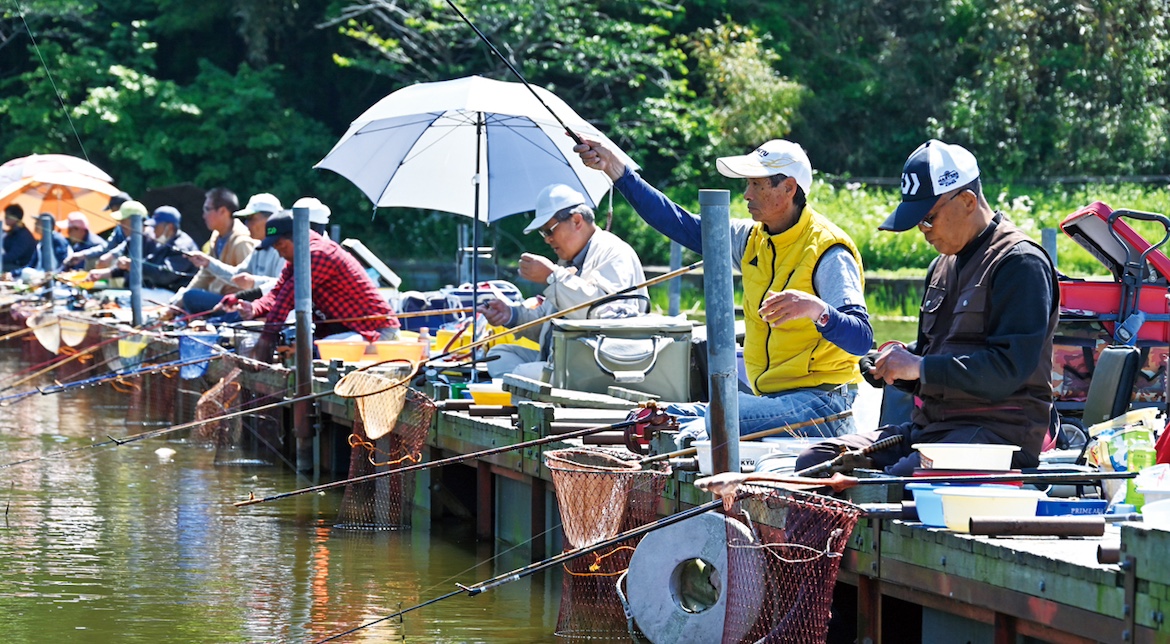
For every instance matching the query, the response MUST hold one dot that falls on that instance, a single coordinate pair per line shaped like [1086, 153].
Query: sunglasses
[545, 233]
[928, 221]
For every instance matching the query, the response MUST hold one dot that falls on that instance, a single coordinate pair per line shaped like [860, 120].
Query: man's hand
[244, 281]
[597, 156]
[497, 312]
[98, 274]
[124, 263]
[778, 308]
[198, 259]
[896, 363]
[536, 268]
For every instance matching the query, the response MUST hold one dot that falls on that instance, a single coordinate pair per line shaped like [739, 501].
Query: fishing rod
[561, 559]
[577, 307]
[849, 454]
[142, 371]
[439, 463]
[576, 139]
[173, 428]
[6, 401]
[689, 451]
[729, 481]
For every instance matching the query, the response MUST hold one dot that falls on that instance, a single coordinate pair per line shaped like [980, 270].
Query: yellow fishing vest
[792, 355]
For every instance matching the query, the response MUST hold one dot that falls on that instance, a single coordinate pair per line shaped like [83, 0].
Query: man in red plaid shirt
[341, 289]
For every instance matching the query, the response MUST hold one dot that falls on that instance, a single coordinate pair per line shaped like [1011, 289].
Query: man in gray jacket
[593, 263]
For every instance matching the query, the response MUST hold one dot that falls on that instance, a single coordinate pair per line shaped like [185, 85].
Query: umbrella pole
[475, 240]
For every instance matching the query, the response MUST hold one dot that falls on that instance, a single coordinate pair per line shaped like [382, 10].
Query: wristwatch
[824, 319]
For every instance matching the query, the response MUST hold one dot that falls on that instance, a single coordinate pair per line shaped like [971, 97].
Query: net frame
[386, 502]
[591, 607]
[803, 536]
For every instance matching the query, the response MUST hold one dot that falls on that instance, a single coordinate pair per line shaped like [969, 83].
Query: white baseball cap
[263, 202]
[318, 212]
[552, 200]
[774, 157]
[933, 169]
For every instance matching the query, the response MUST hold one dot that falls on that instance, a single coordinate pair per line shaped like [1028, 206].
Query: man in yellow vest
[802, 289]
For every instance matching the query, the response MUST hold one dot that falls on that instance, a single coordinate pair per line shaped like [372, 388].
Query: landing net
[385, 502]
[802, 537]
[600, 492]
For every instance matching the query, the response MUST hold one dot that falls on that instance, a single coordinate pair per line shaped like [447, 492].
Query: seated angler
[982, 365]
[342, 291]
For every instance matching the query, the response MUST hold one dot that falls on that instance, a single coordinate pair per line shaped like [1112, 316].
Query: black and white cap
[933, 169]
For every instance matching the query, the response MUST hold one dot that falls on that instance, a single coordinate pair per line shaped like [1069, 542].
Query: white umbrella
[471, 146]
[35, 164]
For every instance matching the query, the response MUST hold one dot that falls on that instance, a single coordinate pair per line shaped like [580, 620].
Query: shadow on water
[132, 544]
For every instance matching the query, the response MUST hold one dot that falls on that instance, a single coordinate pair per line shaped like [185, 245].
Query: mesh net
[600, 492]
[379, 400]
[802, 537]
[215, 402]
[385, 502]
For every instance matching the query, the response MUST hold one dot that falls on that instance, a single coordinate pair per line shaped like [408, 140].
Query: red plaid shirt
[341, 289]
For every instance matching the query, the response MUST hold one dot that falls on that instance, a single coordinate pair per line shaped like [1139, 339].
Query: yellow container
[443, 336]
[489, 393]
[346, 350]
[398, 350]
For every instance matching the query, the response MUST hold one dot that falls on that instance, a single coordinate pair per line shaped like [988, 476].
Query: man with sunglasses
[593, 263]
[981, 367]
[805, 316]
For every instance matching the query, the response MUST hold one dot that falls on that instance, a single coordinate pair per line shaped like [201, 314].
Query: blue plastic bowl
[928, 503]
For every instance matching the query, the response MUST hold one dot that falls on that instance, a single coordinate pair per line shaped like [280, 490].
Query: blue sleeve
[660, 212]
[849, 328]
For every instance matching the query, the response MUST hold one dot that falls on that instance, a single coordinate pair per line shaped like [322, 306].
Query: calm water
[116, 544]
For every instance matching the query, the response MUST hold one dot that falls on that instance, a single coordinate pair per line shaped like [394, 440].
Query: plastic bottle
[424, 338]
[1141, 455]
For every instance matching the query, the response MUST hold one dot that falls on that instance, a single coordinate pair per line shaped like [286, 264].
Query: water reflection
[116, 544]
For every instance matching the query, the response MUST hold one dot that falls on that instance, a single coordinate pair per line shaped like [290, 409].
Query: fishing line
[495, 51]
[49, 75]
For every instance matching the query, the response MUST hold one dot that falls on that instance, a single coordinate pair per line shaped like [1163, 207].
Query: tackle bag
[650, 353]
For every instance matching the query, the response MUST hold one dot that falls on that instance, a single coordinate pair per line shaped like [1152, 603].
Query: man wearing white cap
[318, 214]
[806, 322]
[982, 365]
[231, 243]
[593, 263]
[264, 265]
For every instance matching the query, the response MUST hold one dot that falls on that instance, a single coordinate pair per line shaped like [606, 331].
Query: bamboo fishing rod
[561, 559]
[689, 451]
[439, 463]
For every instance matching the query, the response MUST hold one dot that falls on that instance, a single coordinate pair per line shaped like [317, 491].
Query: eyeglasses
[545, 233]
[928, 221]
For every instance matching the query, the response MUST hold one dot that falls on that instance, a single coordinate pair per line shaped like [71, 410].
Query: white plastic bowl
[962, 503]
[749, 453]
[966, 456]
[1157, 514]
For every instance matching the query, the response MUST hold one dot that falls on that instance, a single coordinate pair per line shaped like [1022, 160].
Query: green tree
[1066, 88]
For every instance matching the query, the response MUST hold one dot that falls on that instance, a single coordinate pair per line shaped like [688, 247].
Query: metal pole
[723, 411]
[303, 282]
[676, 283]
[136, 270]
[1048, 242]
[48, 259]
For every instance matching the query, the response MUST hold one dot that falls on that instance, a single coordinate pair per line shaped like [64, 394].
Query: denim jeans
[757, 413]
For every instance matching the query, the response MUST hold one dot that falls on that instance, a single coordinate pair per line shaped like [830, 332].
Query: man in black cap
[165, 248]
[982, 364]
